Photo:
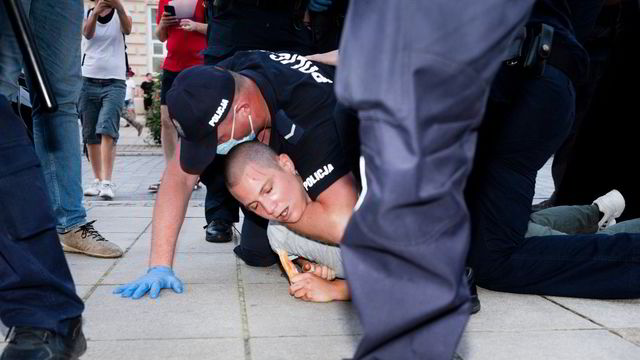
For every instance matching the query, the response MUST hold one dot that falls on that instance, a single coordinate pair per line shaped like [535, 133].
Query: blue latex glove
[156, 279]
[319, 5]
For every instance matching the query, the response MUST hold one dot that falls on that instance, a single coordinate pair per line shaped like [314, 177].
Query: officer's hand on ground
[156, 279]
[319, 5]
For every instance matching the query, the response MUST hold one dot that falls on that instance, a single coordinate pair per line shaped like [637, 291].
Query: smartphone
[170, 10]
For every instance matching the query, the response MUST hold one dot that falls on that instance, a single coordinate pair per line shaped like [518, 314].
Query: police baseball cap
[199, 99]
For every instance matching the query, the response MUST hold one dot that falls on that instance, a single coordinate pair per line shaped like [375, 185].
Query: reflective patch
[178, 127]
[363, 180]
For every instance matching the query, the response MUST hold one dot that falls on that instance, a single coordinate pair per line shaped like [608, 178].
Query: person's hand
[116, 4]
[319, 5]
[310, 287]
[168, 20]
[321, 271]
[188, 25]
[100, 7]
[156, 279]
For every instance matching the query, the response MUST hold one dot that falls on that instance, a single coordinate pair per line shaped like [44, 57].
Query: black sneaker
[471, 281]
[219, 231]
[30, 343]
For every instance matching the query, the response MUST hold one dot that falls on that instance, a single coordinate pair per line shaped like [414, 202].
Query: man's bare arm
[326, 218]
[169, 211]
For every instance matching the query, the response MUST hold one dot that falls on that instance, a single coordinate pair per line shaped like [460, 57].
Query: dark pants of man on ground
[527, 120]
[36, 288]
[265, 25]
[405, 247]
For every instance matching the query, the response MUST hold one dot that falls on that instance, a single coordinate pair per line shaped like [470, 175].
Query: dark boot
[219, 231]
[30, 343]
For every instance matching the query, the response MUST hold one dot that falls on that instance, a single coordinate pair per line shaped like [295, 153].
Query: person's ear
[286, 163]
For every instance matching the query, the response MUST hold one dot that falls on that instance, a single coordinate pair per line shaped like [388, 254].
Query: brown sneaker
[87, 240]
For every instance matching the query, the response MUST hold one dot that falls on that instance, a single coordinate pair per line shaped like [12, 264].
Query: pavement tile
[192, 268]
[122, 239]
[547, 345]
[307, 348]
[219, 349]
[101, 212]
[262, 275]
[202, 311]
[87, 270]
[511, 312]
[121, 224]
[83, 290]
[630, 334]
[189, 241]
[609, 313]
[271, 311]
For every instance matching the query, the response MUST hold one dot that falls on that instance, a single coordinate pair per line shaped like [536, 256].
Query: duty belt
[537, 45]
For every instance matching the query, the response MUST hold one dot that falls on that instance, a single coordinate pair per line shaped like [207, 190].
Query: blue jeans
[527, 120]
[571, 220]
[56, 135]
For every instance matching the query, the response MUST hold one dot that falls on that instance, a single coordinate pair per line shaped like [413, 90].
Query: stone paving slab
[169, 349]
[523, 312]
[273, 312]
[608, 313]
[547, 345]
[324, 347]
[203, 311]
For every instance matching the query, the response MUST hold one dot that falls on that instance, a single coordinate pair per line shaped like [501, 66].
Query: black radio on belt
[531, 48]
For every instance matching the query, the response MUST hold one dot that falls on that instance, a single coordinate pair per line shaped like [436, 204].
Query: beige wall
[137, 42]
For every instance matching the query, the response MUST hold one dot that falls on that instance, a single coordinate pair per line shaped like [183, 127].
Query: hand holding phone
[170, 10]
[169, 16]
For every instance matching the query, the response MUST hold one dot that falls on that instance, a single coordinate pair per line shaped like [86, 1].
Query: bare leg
[108, 156]
[168, 134]
[95, 159]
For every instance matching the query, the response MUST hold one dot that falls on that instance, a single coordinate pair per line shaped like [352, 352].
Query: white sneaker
[611, 205]
[93, 189]
[107, 190]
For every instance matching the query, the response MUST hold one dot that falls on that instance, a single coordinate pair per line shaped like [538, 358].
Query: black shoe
[471, 281]
[254, 258]
[219, 231]
[30, 343]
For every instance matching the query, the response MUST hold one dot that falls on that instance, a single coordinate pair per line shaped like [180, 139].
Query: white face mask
[224, 148]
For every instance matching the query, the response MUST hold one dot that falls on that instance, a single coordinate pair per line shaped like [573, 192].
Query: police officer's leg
[405, 247]
[221, 209]
[36, 288]
[527, 120]
[254, 248]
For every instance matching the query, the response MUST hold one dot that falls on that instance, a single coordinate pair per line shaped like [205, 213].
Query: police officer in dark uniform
[281, 99]
[528, 117]
[419, 88]
[236, 25]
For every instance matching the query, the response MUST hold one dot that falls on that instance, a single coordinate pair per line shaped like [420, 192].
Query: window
[156, 49]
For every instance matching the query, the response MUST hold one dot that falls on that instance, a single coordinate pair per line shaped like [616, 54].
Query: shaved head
[241, 155]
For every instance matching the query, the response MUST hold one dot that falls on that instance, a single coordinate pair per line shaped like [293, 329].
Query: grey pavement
[232, 311]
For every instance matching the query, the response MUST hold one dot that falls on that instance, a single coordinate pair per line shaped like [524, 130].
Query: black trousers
[420, 88]
[36, 288]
